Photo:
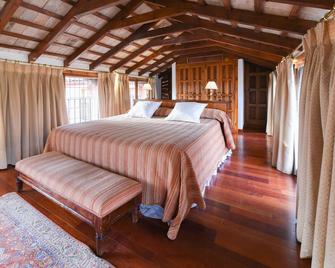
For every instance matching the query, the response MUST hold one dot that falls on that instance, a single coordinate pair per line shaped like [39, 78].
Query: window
[136, 90]
[82, 99]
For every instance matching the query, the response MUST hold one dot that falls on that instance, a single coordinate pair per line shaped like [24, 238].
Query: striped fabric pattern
[172, 159]
[89, 187]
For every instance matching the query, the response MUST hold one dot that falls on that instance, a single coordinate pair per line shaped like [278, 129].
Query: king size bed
[173, 160]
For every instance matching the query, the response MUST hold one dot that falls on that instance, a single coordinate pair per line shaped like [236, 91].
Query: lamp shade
[211, 85]
[147, 86]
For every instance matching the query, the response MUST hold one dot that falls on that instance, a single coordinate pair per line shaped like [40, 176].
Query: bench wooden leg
[135, 214]
[19, 185]
[99, 237]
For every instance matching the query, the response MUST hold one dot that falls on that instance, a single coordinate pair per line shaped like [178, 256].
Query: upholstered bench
[93, 194]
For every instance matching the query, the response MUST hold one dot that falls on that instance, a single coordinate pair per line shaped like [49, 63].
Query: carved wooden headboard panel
[211, 104]
[220, 105]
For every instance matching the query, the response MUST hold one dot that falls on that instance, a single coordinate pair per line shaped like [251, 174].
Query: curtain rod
[329, 14]
[300, 49]
[52, 66]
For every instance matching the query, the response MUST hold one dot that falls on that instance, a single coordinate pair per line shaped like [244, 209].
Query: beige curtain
[316, 173]
[152, 82]
[285, 116]
[271, 100]
[114, 95]
[32, 102]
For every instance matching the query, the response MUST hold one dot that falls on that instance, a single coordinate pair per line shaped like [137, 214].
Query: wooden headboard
[220, 105]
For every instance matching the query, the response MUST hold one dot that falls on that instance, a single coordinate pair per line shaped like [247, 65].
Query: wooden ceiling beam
[325, 4]
[8, 11]
[30, 24]
[157, 63]
[68, 19]
[209, 48]
[261, 37]
[20, 36]
[238, 51]
[72, 15]
[134, 54]
[151, 16]
[164, 67]
[124, 13]
[267, 51]
[41, 10]
[276, 22]
[121, 45]
[294, 13]
[227, 4]
[251, 52]
[258, 6]
[148, 58]
[94, 6]
[165, 49]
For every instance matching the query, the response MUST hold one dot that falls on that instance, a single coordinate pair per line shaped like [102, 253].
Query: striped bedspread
[171, 159]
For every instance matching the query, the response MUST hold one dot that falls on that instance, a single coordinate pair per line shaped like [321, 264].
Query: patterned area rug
[29, 239]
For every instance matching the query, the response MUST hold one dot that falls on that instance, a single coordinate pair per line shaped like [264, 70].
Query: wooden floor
[249, 220]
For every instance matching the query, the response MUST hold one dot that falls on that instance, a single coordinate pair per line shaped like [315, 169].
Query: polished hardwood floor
[249, 220]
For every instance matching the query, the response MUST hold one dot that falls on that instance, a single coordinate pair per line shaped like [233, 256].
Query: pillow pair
[182, 111]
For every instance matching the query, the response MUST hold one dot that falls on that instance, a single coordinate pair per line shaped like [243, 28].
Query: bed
[173, 160]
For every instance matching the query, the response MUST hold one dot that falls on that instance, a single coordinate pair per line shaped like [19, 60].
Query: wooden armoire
[192, 79]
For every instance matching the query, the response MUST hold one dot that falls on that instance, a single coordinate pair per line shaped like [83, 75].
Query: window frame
[80, 74]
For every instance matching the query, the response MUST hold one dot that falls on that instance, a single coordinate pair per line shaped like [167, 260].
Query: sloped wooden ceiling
[145, 37]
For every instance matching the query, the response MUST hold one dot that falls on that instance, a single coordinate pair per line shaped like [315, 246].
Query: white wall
[240, 79]
[174, 81]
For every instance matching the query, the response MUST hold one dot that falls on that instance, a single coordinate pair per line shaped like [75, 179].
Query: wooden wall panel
[192, 79]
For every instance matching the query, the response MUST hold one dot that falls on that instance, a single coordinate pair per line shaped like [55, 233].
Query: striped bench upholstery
[92, 192]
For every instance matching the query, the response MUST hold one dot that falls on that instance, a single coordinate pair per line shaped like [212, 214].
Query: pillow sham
[187, 112]
[144, 109]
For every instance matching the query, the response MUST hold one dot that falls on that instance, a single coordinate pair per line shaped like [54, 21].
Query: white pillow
[144, 109]
[187, 111]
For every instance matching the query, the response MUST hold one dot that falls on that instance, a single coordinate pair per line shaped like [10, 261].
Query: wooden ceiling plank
[8, 11]
[99, 35]
[324, 4]
[276, 22]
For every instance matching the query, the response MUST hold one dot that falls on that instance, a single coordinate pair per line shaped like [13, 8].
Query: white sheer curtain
[271, 100]
[114, 98]
[285, 119]
[316, 173]
[32, 103]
